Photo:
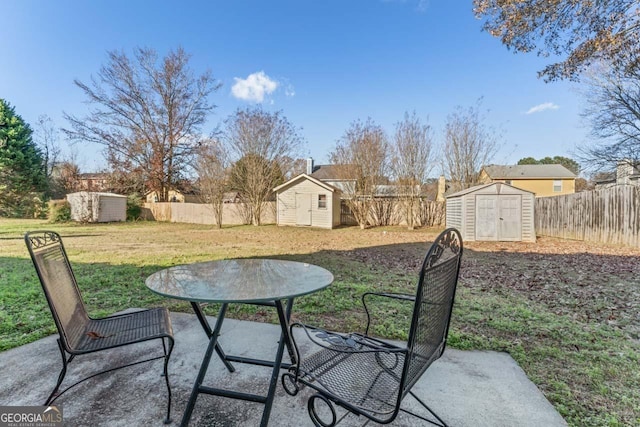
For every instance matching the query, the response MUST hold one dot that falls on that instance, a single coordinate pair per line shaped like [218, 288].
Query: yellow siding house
[542, 180]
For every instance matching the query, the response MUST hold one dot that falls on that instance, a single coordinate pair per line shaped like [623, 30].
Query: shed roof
[304, 176]
[528, 171]
[481, 187]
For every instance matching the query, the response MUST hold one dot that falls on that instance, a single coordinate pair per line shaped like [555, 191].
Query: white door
[486, 214]
[510, 219]
[303, 209]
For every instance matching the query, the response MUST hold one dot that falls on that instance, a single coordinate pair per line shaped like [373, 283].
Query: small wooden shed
[97, 207]
[496, 211]
[307, 201]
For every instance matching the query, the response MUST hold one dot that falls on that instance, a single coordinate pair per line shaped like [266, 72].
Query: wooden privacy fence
[201, 213]
[609, 216]
[428, 213]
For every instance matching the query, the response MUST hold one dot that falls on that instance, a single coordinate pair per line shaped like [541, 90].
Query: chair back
[433, 305]
[59, 285]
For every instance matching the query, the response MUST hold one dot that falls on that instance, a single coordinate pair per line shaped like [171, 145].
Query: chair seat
[369, 380]
[119, 330]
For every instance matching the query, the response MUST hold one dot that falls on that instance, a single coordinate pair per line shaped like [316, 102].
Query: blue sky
[323, 63]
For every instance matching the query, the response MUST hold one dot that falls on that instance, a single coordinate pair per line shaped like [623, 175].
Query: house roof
[94, 175]
[482, 186]
[329, 172]
[528, 171]
[230, 197]
[304, 176]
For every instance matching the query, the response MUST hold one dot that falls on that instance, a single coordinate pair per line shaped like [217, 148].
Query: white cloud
[423, 5]
[542, 107]
[289, 90]
[254, 87]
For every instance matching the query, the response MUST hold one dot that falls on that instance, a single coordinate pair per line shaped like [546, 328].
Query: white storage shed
[307, 201]
[97, 207]
[496, 211]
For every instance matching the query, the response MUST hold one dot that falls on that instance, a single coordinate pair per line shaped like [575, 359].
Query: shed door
[486, 214]
[303, 208]
[510, 220]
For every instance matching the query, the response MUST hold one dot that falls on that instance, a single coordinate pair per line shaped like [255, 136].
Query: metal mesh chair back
[433, 305]
[59, 285]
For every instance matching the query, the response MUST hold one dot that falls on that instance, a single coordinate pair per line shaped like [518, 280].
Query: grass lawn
[567, 312]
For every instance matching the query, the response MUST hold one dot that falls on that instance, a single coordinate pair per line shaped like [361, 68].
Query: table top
[239, 280]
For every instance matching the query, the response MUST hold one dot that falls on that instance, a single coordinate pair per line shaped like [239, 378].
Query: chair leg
[313, 413]
[424, 405]
[167, 355]
[63, 372]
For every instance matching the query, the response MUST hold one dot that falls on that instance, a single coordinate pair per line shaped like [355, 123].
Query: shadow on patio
[465, 388]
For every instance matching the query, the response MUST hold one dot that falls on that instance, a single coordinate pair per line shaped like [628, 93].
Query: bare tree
[382, 209]
[46, 137]
[584, 31]
[613, 109]
[468, 146]
[147, 114]
[65, 178]
[132, 181]
[411, 162]
[212, 168]
[293, 167]
[263, 144]
[361, 159]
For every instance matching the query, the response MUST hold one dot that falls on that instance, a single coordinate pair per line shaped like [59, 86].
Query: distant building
[338, 177]
[334, 175]
[627, 173]
[542, 180]
[93, 182]
[175, 196]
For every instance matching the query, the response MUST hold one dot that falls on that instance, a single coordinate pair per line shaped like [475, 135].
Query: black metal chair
[371, 377]
[81, 334]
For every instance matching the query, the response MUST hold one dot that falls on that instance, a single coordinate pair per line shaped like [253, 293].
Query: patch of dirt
[587, 281]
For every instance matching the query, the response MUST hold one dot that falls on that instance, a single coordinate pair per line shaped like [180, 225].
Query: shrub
[134, 207]
[59, 211]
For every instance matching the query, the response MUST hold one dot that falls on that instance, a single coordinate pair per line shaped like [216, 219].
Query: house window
[322, 201]
[557, 185]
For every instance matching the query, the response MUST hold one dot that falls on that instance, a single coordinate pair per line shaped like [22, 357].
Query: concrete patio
[466, 388]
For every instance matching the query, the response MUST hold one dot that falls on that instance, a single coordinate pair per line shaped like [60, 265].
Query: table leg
[284, 341]
[286, 332]
[207, 329]
[284, 315]
[213, 344]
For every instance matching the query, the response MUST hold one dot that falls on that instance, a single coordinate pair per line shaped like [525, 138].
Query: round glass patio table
[266, 282]
[239, 280]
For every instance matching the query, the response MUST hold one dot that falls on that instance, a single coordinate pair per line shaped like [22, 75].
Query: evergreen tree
[568, 163]
[22, 172]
